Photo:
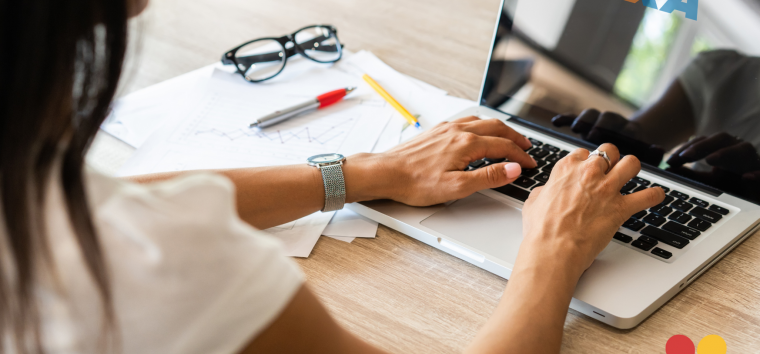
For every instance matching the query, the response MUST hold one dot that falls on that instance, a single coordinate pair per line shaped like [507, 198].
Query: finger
[495, 127]
[585, 121]
[563, 120]
[643, 200]
[700, 150]
[499, 148]
[465, 119]
[628, 167]
[488, 177]
[675, 159]
[578, 155]
[612, 153]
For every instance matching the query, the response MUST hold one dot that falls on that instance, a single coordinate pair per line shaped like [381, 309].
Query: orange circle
[712, 344]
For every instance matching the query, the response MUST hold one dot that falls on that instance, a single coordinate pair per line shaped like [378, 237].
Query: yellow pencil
[409, 117]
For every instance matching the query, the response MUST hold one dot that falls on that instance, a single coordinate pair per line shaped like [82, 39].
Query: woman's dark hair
[60, 62]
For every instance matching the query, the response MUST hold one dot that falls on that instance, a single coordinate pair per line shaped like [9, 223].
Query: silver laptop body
[626, 283]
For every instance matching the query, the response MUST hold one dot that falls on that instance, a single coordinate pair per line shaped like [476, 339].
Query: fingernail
[513, 170]
[528, 141]
[534, 162]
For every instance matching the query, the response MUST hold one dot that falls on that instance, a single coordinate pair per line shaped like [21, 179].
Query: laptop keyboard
[675, 222]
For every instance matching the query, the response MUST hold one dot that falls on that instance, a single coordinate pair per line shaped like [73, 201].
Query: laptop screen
[674, 82]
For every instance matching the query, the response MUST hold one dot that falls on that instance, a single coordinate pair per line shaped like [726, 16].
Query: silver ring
[602, 154]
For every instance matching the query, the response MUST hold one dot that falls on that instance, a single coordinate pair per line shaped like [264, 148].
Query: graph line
[240, 133]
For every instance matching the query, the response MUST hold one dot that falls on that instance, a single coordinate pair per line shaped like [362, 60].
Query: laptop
[675, 83]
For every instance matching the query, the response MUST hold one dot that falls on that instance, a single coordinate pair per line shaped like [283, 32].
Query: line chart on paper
[304, 134]
[220, 123]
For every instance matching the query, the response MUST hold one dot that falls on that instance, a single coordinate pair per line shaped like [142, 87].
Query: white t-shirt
[187, 275]
[724, 89]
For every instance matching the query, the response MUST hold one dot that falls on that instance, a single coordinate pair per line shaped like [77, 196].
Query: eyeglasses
[262, 59]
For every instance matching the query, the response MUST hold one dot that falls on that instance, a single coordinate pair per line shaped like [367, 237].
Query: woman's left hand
[430, 169]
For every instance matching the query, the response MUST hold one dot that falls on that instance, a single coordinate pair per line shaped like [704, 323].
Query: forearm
[669, 121]
[531, 315]
[270, 196]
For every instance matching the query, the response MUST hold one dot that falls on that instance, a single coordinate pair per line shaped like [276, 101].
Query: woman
[93, 264]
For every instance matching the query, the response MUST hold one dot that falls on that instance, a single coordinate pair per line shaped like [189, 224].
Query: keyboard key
[639, 189]
[543, 178]
[699, 202]
[548, 168]
[629, 187]
[538, 185]
[539, 153]
[563, 153]
[662, 253]
[719, 210]
[640, 214]
[493, 161]
[540, 163]
[699, 224]
[633, 224]
[679, 195]
[640, 181]
[535, 142]
[524, 182]
[661, 210]
[642, 245]
[681, 230]
[666, 189]
[476, 165]
[678, 216]
[622, 237]
[654, 219]
[681, 205]
[647, 239]
[706, 215]
[665, 237]
[551, 148]
[667, 200]
[553, 158]
[531, 172]
[514, 192]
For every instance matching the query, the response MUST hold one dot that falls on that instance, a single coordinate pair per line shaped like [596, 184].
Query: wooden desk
[393, 291]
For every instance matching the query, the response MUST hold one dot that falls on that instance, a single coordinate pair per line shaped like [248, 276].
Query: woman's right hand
[574, 216]
[430, 168]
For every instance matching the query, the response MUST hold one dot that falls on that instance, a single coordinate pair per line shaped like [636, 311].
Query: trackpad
[481, 223]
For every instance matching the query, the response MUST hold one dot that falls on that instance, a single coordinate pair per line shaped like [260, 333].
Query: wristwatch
[331, 166]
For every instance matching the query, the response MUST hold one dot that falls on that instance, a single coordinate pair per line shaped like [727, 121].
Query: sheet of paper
[346, 223]
[344, 239]
[300, 236]
[211, 130]
[136, 116]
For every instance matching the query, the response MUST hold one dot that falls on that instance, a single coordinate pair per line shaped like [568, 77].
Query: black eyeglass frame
[230, 58]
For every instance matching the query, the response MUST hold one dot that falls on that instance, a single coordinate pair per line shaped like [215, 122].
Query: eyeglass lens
[261, 60]
[318, 43]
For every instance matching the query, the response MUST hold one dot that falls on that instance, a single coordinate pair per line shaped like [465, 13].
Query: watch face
[325, 158]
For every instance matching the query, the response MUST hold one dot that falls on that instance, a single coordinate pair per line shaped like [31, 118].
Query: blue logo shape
[690, 8]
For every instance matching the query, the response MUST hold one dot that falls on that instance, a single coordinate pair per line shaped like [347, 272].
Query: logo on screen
[688, 7]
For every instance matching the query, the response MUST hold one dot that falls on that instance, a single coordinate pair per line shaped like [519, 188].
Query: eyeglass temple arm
[248, 60]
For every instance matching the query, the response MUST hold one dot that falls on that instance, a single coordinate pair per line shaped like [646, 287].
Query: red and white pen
[320, 102]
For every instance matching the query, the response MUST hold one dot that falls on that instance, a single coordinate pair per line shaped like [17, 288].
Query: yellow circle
[712, 344]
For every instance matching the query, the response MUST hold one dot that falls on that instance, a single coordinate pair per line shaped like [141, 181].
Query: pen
[319, 102]
[409, 117]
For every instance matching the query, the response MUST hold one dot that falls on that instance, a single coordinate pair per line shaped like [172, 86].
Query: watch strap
[335, 187]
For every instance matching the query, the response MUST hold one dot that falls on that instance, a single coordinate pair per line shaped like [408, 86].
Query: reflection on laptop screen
[674, 82]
